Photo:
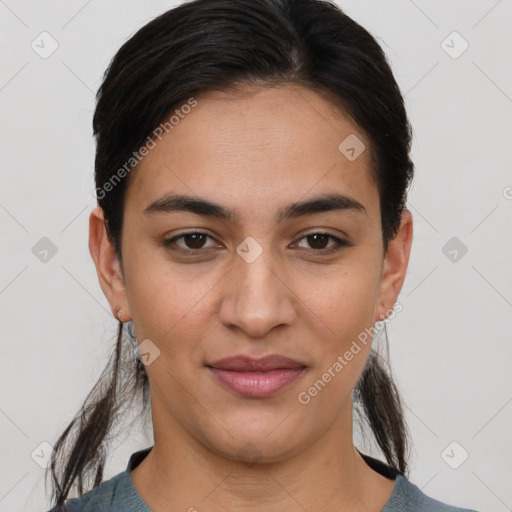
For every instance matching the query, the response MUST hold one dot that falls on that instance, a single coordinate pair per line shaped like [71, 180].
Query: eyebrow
[325, 203]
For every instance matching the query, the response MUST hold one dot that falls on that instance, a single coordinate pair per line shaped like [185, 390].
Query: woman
[252, 169]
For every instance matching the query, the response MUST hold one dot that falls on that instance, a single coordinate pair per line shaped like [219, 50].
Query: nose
[257, 297]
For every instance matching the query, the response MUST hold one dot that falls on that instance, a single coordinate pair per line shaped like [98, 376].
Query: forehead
[270, 145]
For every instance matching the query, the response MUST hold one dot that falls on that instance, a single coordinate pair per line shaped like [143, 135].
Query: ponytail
[382, 411]
[90, 428]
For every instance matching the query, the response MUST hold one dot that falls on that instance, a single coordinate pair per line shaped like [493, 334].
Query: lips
[256, 378]
[249, 364]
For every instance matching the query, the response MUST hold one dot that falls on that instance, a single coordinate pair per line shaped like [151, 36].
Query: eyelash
[340, 244]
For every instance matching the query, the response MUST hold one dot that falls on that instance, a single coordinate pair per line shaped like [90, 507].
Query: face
[261, 276]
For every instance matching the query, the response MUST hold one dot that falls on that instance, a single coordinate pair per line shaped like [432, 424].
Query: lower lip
[257, 384]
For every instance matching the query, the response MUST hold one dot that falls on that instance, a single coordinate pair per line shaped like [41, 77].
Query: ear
[395, 266]
[107, 265]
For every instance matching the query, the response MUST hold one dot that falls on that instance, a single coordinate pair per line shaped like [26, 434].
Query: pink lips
[256, 377]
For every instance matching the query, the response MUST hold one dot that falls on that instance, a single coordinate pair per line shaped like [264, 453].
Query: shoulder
[101, 498]
[408, 497]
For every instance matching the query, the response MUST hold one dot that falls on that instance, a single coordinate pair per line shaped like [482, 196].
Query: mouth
[256, 378]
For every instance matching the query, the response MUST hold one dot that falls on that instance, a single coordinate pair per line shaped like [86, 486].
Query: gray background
[450, 346]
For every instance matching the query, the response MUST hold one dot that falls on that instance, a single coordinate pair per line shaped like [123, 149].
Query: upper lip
[243, 363]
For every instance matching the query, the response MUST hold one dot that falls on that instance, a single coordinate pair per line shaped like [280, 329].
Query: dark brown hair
[205, 45]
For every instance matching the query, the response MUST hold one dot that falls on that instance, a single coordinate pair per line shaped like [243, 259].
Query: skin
[254, 153]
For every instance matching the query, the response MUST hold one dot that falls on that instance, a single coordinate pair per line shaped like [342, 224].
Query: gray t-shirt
[119, 494]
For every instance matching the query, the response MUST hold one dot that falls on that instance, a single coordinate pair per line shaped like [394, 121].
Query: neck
[181, 473]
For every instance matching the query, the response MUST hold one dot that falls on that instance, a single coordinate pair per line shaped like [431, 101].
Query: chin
[258, 441]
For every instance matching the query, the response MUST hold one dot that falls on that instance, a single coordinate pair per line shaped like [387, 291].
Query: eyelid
[341, 235]
[339, 243]
[168, 241]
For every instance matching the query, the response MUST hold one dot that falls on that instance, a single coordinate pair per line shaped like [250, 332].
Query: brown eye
[318, 242]
[193, 242]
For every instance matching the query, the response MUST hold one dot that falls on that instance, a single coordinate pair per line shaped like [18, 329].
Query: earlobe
[395, 266]
[107, 264]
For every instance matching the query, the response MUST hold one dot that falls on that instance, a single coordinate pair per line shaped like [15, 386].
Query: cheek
[345, 306]
[170, 304]
[346, 309]
[345, 302]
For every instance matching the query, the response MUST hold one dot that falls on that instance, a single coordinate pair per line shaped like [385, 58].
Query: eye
[318, 240]
[194, 243]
